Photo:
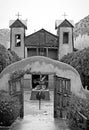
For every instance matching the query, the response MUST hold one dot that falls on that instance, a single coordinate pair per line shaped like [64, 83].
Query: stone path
[36, 119]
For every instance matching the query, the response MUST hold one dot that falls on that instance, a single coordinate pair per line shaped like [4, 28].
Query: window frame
[67, 37]
[17, 44]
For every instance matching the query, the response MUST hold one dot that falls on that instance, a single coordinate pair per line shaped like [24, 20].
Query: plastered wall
[45, 65]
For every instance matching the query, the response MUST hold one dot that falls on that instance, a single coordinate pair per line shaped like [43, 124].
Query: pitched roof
[18, 23]
[42, 37]
[64, 23]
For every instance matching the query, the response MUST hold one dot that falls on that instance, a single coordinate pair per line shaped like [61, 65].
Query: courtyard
[35, 119]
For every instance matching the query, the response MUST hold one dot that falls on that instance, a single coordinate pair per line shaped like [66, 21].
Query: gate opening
[40, 82]
[39, 79]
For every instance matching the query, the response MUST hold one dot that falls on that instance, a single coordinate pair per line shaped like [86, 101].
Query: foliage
[9, 108]
[17, 74]
[80, 61]
[15, 57]
[4, 59]
[7, 57]
[77, 104]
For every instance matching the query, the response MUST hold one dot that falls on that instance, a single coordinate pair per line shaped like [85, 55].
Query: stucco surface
[45, 65]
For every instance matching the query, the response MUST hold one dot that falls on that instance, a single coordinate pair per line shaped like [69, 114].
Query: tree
[80, 61]
[7, 57]
[14, 57]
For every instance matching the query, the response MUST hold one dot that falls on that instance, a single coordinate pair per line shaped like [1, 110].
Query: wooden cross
[64, 15]
[18, 15]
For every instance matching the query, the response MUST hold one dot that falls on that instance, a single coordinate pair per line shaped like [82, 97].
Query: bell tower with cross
[65, 36]
[17, 36]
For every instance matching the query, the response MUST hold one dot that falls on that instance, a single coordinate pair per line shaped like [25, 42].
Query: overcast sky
[42, 13]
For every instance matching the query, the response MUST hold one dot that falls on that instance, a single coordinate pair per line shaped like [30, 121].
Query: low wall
[45, 65]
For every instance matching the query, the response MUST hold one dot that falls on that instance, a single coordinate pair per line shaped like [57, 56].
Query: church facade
[42, 42]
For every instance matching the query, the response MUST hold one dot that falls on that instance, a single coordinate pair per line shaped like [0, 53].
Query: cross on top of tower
[64, 15]
[18, 15]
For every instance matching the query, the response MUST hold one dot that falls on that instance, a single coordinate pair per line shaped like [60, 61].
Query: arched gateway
[66, 80]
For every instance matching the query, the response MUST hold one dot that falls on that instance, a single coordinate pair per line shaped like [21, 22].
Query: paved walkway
[36, 119]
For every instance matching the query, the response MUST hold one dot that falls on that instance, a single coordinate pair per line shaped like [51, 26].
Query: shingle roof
[41, 37]
[64, 23]
[18, 23]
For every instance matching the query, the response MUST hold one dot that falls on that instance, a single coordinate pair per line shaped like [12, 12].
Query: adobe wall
[44, 64]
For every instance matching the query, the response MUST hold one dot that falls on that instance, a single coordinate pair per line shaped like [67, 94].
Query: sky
[42, 13]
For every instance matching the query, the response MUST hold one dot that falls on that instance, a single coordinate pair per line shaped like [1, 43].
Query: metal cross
[64, 15]
[18, 15]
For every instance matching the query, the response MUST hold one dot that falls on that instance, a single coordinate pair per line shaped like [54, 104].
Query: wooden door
[61, 96]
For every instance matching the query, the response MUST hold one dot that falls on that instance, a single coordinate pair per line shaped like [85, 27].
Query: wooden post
[55, 111]
[22, 107]
[39, 104]
[37, 51]
[61, 113]
[47, 52]
[87, 126]
[21, 100]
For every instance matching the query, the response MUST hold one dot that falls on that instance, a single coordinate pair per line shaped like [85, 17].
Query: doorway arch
[63, 72]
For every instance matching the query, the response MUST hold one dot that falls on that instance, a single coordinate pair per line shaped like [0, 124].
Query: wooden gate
[16, 90]
[61, 96]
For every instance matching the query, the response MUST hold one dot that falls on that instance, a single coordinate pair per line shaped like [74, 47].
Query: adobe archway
[44, 64]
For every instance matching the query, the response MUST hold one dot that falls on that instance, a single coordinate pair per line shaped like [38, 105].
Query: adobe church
[41, 43]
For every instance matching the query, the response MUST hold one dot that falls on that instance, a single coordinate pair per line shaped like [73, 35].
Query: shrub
[17, 74]
[7, 57]
[9, 109]
[80, 61]
[77, 104]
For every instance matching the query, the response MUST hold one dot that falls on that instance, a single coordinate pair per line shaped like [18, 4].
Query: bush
[80, 61]
[77, 104]
[9, 109]
[7, 57]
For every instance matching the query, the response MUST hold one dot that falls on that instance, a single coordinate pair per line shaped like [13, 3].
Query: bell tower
[17, 36]
[65, 36]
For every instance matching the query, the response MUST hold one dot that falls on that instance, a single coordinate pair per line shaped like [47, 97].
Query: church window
[18, 40]
[65, 38]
